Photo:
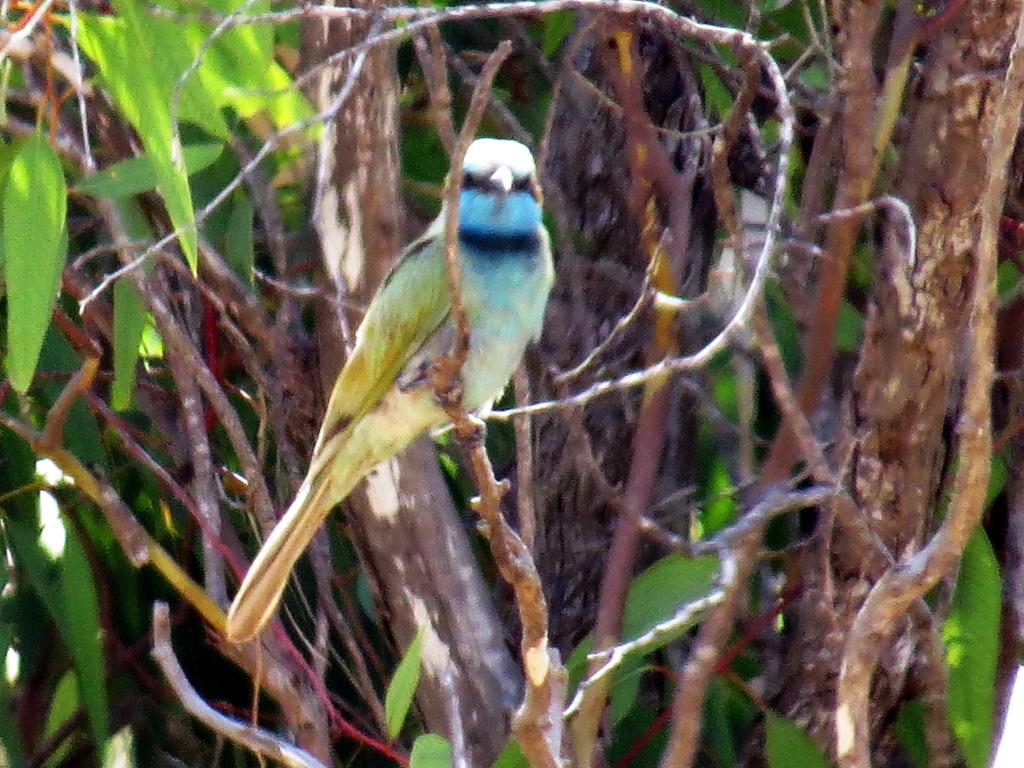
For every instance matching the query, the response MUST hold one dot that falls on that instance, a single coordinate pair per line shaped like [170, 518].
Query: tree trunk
[893, 451]
[405, 527]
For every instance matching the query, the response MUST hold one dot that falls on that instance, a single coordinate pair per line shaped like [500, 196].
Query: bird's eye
[469, 181]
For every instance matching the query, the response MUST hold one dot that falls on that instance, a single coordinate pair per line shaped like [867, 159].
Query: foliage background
[260, 176]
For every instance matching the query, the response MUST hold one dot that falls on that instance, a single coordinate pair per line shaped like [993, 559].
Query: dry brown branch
[203, 484]
[176, 338]
[360, 673]
[537, 730]
[902, 585]
[854, 186]
[684, 731]
[431, 55]
[524, 464]
[254, 739]
[81, 381]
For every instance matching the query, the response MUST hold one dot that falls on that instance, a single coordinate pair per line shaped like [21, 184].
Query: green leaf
[716, 95]
[10, 739]
[81, 433]
[129, 314]
[403, 686]
[238, 246]
[511, 756]
[718, 488]
[784, 324]
[80, 627]
[239, 72]
[129, 321]
[430, 751]
[849, 328]
[140, 67]
[971, 637]
[67, 591]
[729, 716]
[789, 746]
[718, 733]
[557, 27]
[997, 477]
[815, 77]
[35, 244]
[138, 174]
[659, 591]
[625, 688]
[62, 706]
[727, 12]
[910, 731]
[7, 154]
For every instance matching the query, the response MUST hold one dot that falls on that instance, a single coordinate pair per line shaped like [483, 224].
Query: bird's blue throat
[491, 224]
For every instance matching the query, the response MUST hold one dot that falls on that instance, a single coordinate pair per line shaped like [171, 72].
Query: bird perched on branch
[383, 396]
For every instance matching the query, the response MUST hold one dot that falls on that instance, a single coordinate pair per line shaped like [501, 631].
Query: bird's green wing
[410, 305]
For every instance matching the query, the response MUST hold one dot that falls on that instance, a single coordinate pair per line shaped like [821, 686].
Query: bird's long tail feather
[261, 590]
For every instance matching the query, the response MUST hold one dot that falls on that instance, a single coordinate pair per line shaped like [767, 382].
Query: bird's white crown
[485, 156]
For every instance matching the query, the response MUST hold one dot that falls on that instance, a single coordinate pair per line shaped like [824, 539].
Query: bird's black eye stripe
[469, 181]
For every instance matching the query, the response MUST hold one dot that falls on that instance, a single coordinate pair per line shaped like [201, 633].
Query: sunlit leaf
[815, 77]
[430, 751]
[67, 591]
[138, 174]
[139, 66]
[35, 244]
[62, 706]
[720, 507]
[557, 27]
[7, 154]
[971, 637]
[400, 692]
[511, 757]
[129, 314]
[717, 96]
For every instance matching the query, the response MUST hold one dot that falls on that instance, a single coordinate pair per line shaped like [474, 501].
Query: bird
[383, 398]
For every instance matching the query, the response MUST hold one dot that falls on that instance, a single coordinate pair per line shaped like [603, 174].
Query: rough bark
[894, 446]
[582, 463]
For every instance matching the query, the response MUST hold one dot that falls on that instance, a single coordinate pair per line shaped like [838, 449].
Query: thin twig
[538, 733]
[53, 430]
[83, 115]
[431, 54]
[254, 739]
[524, 464]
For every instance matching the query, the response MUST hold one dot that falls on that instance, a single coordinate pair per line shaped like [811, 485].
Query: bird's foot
[470, 430]
[446, 379]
